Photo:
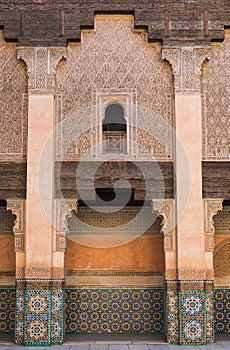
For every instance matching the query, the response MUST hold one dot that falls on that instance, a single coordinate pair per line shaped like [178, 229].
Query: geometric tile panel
[209, 317]
[7, 310]
[192, 317]
[37, 317]
[222, 310]
[19, 318]
[57, 316]
[172, 319]
[114, 310]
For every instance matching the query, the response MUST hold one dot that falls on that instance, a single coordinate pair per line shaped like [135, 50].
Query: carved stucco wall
[114, 63]
[215, 102]
[13, 108]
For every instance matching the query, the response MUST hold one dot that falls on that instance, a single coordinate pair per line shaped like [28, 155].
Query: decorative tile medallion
[192, 317]
[7, 310]
[112, 310]
[37, 317]
[222, 310]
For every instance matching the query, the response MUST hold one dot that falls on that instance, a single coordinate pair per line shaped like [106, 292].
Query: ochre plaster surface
[143, 254]
[7, 260]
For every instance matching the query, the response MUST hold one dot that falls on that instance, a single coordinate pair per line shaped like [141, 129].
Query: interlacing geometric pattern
[7, 310]
[113, 310]
[192, 317]
[39, 317]
[57, 327]
[114, 57]
[222, 310]
[172, 320]
[209, 317]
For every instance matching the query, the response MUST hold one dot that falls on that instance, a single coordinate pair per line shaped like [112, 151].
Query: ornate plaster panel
[115, 60]
[13, 109]
[215, 102]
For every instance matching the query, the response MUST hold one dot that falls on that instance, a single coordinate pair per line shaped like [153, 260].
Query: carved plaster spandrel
[186, 65]
[41, 65]
[211, 207]
[166, 209]
[16, 206]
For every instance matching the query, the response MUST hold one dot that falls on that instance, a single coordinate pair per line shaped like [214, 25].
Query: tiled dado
[222, 310]
[7, 310]
[196, 317]
[189, 317]
[39, 316]
[114, 310]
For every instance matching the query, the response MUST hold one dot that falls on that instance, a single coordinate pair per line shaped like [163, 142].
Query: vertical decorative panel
[192, 317]
[57, 315]
[172, 317]
[37, 317]
[209, 317]
[19, 319]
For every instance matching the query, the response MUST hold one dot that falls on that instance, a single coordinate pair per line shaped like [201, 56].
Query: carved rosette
[166, 208]
[186, 65]
[64, 210]
[41, 65]
[16, 206]
[211, 207]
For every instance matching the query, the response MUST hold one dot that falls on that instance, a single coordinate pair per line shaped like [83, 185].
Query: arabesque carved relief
[186, 65]
[211, 207]
[114, 59]
[13, 110]
[215, 102]
[41, 63]
[64, 210]
[16, 206]
[166, 208]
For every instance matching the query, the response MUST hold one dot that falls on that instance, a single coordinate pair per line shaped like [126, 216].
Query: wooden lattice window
[114, 129]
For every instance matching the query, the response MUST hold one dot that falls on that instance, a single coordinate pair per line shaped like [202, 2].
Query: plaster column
[193, 287]
[39, 314]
